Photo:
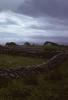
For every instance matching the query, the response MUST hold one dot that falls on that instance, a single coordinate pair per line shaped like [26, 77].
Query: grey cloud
[54, 8]
[9, 4]
[4, 35]
[8, 22]
[50, 27]
[42, 18]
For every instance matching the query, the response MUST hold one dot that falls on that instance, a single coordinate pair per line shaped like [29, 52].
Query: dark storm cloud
[34, 20]
[52, 15]
[54, 8]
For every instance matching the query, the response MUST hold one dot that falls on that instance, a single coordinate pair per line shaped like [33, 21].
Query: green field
[51, 86]
[9, 61]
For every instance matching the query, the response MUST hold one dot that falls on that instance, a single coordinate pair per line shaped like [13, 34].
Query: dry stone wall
[42, 68]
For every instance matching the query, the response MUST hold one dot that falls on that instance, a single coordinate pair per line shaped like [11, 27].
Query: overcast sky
[23, 20]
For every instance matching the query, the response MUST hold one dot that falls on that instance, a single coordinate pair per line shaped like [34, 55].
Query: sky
[34, 20]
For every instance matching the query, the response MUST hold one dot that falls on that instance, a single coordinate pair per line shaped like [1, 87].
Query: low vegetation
[12, 61]
[50, 86]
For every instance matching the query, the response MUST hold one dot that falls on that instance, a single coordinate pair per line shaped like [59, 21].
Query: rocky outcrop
[42, 68]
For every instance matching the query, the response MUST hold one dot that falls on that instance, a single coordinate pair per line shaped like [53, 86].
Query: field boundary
[38, 69]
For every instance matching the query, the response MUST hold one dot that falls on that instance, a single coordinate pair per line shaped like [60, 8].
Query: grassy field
[9, 61]
[51, 86]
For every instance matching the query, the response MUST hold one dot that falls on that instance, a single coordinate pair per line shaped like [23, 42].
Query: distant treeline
[48, 49]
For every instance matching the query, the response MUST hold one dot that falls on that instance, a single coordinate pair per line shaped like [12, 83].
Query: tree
[11, 44]
[50, 43]
[27, 44]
